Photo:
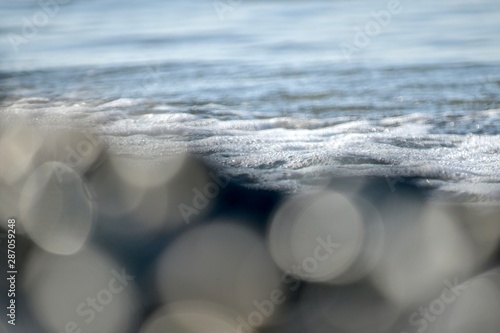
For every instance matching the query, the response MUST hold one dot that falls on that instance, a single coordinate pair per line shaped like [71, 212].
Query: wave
[457, 154]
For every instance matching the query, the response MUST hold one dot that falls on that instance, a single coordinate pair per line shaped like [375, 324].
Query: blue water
[294, 33]
[265, 89]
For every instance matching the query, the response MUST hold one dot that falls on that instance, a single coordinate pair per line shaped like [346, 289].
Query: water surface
[265, 91]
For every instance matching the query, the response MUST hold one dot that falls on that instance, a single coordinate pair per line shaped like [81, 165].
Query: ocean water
[277, 94]
[270, 94]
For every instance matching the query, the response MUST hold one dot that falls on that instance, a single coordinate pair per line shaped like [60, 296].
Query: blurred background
[42, 34]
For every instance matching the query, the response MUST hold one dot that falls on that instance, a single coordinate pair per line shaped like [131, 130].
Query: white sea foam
[287, 153]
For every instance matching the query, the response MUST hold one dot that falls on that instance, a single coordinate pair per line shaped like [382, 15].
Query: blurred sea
[268, 223]
[264, 90]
